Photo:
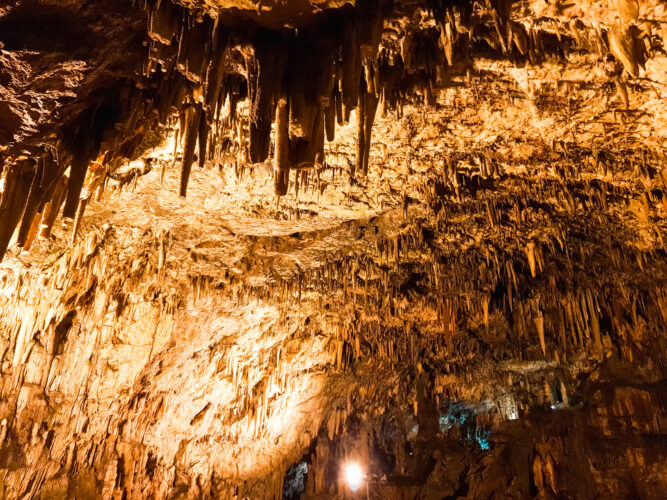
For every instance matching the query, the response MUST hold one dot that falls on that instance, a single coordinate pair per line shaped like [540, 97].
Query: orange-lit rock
[460, 288]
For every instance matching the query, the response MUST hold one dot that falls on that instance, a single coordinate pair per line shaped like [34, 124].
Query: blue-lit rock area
[502, 448]
[463, 420]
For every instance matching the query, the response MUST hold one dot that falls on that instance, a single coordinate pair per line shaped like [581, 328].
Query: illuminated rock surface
[464, 292]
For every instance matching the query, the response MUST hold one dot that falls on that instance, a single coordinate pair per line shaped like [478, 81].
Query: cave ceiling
[247, 245]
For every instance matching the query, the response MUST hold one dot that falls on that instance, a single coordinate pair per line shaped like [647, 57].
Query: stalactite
[361, 134]
[621, 45]
[370, 109]
[330, 119]
[32, 232]
[78, 174]
[351, 70]
[163, 22]
[52, 207]
[94, 179]
[282, 161]
[203, 135]
[18, 181]
[190, 129]
[32, 204]
[194, 47]
[266, 68]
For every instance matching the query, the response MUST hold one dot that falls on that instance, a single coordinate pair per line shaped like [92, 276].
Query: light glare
[354, 475]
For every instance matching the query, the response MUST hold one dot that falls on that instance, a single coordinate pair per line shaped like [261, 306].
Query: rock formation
[423, 237]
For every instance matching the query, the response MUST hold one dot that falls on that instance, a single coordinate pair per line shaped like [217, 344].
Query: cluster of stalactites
[113, 126]
[309, 81]
[183, 71]
[300, 83]
[190, 54]
[65, 175]
[305, 81]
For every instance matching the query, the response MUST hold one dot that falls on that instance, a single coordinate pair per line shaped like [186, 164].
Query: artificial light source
[354, 475]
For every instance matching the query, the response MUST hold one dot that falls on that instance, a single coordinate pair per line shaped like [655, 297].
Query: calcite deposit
[333, 249]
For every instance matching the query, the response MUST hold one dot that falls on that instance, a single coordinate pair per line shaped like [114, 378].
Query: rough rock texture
[479, 314]
[272, 14]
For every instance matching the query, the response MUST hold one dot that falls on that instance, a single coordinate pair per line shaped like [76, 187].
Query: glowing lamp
[353, 475]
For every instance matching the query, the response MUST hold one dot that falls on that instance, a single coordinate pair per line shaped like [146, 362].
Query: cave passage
[333, 249]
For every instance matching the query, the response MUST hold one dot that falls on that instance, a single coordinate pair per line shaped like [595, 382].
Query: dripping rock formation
[320, 249]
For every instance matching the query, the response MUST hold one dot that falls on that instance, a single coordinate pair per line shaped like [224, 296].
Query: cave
[333, 249]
